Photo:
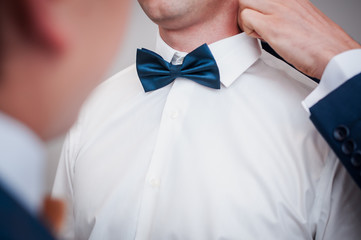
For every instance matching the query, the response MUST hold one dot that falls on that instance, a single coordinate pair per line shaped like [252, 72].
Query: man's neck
[209, 31]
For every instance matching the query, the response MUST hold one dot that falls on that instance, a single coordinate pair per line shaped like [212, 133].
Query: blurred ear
[45, 27]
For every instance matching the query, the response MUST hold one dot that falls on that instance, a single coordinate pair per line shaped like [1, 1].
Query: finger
[263, 6]
[253, 23]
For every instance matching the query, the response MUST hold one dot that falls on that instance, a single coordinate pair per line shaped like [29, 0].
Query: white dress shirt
[22, 163]
[190, 162]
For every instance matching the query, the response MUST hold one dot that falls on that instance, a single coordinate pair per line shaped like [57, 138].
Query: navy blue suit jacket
[16, 223]
[338, 118]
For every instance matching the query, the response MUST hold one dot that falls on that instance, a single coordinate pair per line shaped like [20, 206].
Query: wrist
[341, 68]
[324, 59]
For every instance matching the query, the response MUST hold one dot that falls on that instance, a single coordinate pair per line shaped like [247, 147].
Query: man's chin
[165, 14]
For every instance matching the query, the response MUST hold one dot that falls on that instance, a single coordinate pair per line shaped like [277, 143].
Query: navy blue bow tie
[199, 66]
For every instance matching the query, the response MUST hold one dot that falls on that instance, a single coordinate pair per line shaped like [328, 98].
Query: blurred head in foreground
[52, 54]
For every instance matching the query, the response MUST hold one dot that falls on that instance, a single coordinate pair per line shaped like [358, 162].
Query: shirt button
[174, 114]
[341, 133]
[154, 182]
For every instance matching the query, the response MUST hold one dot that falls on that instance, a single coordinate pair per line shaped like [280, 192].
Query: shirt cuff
[341, 68]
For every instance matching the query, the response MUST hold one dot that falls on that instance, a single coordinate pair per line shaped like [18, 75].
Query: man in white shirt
[187, 161]
[46, 73]
[319, 48]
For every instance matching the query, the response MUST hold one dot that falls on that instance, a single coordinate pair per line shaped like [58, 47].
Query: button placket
[169, 128]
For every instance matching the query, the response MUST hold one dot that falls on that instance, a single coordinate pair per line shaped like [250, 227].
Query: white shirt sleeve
[340, 69]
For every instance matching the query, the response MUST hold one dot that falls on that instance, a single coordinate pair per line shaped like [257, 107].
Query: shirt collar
[22, 163]
[234, 55]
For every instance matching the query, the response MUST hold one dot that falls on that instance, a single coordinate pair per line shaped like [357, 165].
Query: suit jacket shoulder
[338, 119]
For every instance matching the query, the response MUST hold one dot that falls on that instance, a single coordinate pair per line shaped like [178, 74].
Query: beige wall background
[142, 33]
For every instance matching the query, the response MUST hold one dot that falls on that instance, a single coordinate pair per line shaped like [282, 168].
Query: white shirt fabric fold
[341, 68]
[190, 162]
[22, 163]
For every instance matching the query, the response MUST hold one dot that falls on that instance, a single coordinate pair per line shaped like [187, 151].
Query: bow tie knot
[199, 66]
[175, 70]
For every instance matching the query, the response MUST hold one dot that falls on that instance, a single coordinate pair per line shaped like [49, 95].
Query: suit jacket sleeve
[338, 118]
